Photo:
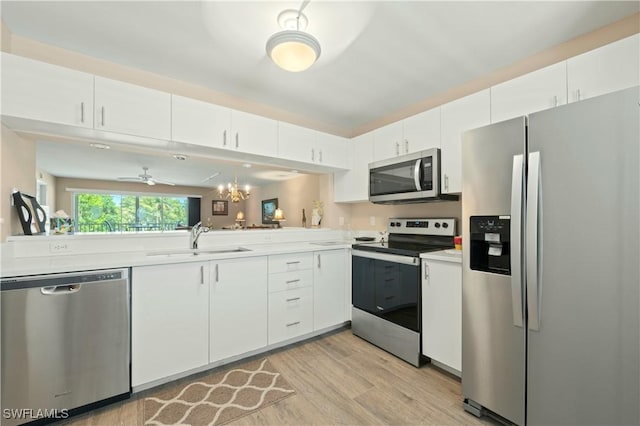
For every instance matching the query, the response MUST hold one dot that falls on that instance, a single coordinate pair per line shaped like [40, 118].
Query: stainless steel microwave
[411, 178]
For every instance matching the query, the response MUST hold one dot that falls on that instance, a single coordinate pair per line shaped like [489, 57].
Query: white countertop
[13, 267]
[450, 255]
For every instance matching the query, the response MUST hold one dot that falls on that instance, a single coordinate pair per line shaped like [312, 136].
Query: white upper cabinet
[421, 131]
[133, 110]
[40, 91]
[295, 142]
[353, 185]
[199, 123]
[388, 141]
[458, 116]
[331, 151]
[253, 134]
[542, 89]
[309, 146]
[613, 67]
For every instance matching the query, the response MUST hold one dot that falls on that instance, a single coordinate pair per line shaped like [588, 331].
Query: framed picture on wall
[220, 208]
[268, 210]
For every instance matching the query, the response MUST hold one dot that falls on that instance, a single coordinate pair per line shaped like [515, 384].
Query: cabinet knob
[397, 148]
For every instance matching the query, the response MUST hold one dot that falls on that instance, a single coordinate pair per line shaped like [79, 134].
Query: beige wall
[362, 212]
[293, 195]
[17, 158]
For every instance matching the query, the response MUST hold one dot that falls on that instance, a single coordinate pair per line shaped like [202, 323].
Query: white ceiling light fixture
[293, 49]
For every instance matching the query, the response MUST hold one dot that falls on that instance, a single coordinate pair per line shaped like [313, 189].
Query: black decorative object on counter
[32, 216]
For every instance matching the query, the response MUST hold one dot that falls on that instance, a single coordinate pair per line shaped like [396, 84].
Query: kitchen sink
[196, 252]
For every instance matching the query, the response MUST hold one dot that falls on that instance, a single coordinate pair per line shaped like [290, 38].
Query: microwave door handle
[416, 174]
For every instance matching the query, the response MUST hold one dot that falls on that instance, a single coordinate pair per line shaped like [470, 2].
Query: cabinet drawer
[290, 280]
[290, 314]
[290, 262]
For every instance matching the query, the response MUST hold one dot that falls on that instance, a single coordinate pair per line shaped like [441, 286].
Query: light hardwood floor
[339, 379]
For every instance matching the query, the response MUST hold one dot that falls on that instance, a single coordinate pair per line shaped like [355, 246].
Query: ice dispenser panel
[490, 249]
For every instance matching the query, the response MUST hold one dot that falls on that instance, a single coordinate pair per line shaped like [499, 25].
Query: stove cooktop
[411, 237]
[403, 249]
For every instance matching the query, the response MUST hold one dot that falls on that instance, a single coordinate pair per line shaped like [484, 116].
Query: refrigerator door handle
[534, 240]
[517, 189]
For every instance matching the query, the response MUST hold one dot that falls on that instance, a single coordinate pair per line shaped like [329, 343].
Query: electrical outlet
[341, 221]
[372, 220]
[58, 247]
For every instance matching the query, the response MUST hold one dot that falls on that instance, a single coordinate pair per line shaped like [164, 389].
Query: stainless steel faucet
[196, 231]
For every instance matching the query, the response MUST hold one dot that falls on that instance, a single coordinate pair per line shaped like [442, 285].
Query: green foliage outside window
[129, 213]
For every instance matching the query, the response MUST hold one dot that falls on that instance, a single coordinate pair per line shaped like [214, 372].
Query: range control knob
[445, 225]
[398, 224]
[392, 223]
[437, 225]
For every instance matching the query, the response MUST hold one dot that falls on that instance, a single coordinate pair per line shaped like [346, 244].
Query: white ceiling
[377, 57]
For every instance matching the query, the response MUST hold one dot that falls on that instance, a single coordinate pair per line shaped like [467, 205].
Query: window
[102, 212]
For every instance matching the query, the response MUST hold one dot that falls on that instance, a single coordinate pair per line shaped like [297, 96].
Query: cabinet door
[353, 186]
[609, 68]
[458, 116]
[328, 288]
[200, 123]
[169, 320]
[387, 141]
[422, 131]
[536, 91]
[331, 151]
[296, 143]
[238, 307]
[133, 110]
[44, 92]
[254, 134]
[442, 312]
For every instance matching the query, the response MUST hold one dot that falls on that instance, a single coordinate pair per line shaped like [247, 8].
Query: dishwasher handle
[60, 290]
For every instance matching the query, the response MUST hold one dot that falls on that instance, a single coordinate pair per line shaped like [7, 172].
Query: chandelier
[232, 192]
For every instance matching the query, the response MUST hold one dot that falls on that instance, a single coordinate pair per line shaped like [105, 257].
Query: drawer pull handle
[389, 297]
[293, 263]
[293, 281]
[293, 323]
[293, 299]
[380, 308]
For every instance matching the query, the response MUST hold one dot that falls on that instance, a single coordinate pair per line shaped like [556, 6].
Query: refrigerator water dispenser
[489, 244]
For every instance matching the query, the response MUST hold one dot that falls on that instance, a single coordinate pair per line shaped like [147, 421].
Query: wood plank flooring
[339, 379]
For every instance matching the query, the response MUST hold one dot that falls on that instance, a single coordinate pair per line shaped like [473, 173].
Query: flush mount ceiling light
[293, 49]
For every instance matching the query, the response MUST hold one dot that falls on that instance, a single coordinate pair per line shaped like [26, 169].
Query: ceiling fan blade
[210, 177]
[130, 179]
[161, 182]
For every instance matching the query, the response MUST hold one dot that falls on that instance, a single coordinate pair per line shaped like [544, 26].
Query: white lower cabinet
[290, 314]
[329, 280]
[238, 307]
[442, 312]
[290, 296]
[169, 320]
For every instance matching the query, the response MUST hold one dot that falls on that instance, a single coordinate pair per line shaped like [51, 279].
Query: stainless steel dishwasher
[65, 343]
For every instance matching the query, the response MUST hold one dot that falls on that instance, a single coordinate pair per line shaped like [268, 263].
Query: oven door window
[393, 179]
[387, 289]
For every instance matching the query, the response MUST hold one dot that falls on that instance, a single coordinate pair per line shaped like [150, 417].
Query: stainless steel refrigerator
[551, 265]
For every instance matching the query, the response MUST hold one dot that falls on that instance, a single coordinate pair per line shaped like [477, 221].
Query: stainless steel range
[386, 284]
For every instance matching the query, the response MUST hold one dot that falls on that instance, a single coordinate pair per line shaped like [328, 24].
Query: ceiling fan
[145, 177]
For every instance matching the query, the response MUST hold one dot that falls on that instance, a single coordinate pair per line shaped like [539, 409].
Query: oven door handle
[416, 174]
[396, 258]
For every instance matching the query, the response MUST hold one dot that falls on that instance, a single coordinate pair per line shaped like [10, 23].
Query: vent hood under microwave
[411, 178]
